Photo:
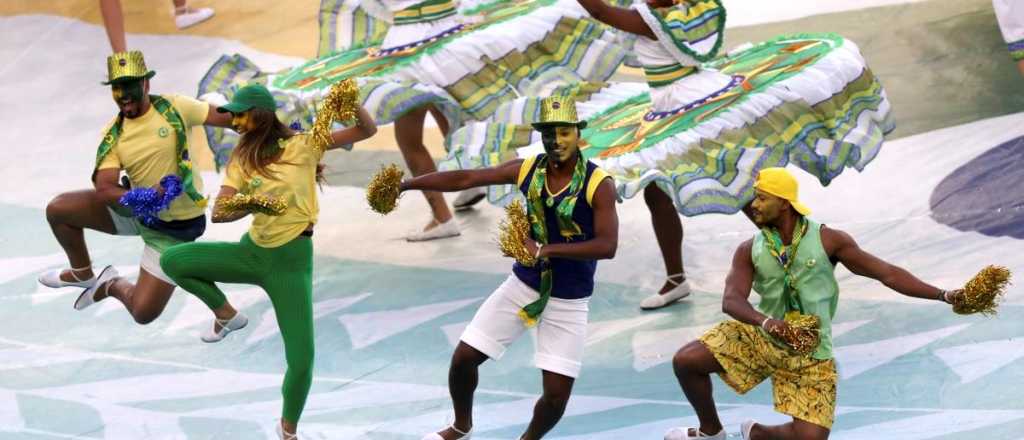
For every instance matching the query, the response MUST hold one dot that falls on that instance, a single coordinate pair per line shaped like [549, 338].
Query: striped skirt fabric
[807, 100]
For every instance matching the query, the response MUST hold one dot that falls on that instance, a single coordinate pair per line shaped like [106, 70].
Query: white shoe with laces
[679, 291]
[464, 435]
[187, 17]
[681, 433]
[441, 230]
[88, 296]
[52, 278]
[237, 322]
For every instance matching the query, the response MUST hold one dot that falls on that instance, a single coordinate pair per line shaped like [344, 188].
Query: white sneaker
[52, 279]
[435, 436]
[192, 17]
[88, 296]
[745, 429]
[466, 199]
[280, 431]
[237, 322]
[681, 433]
[657, 301]
[442, 230]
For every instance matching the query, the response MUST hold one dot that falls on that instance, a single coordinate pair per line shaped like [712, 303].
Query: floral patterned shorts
[803, 387]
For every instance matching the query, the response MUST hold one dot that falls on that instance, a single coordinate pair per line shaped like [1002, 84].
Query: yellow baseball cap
[780, 183]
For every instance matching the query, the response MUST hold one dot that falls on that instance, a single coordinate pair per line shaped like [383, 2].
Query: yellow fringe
[512, 232]
[254, 203]
[982, 293]
[527, 320]
[384, 188]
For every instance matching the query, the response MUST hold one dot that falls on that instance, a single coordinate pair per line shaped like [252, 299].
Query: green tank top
[816, 286]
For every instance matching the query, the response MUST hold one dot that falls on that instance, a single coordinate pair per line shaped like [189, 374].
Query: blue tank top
[571, 279]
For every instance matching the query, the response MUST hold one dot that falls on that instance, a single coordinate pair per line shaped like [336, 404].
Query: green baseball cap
[248, 97]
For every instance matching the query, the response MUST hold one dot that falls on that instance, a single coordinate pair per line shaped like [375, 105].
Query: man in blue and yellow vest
[570, 205]
[790, 264]
[148, 141]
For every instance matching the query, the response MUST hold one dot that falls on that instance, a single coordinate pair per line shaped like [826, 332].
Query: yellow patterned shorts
[803, 387]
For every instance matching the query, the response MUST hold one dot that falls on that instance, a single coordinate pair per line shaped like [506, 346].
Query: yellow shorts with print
[803, 387]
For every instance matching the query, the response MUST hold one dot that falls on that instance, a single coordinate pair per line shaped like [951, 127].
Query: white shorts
[561, 332]
[128, 226]
[1010, 14]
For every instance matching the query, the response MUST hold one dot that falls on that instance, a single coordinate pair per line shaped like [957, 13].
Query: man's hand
[953, 297]
[778, 328]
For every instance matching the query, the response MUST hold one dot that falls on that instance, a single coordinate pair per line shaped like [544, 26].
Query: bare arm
[624, 19]
[365, 128]
[220, 213]
[107, 186]
[606, 231]
[842, 247]
[448, 181]
[217, 119]
[736, 299]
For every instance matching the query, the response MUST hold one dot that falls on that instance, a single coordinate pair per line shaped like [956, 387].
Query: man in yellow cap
[148, 140]
[573, 223]
[790, 264]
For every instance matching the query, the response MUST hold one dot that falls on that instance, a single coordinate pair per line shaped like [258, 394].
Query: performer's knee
[57, 209]
[685, 361]
[466, 358]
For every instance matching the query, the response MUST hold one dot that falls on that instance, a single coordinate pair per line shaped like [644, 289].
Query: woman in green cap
[272, 174]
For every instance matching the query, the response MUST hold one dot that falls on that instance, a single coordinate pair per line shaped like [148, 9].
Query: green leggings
[284, 272]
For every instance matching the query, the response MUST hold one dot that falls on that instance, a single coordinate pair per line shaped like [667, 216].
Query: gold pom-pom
[384, 188]
[803, 334]
[513, 231]
[982, 293]
[340, 104]
[254, 203]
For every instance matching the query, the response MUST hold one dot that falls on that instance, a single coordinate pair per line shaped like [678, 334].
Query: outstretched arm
[624, 19]
[365, 128]
[606, 231]
[448, 181]
[217, 119]
[843, 248]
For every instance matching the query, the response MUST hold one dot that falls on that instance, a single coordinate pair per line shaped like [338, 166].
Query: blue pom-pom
[295, 126]
[146, 203]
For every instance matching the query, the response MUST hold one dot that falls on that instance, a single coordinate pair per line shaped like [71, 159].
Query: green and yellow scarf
[173, 119]
[535, 205]
[786, 255]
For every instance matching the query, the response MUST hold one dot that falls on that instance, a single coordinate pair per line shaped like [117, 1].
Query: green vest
[816, 286]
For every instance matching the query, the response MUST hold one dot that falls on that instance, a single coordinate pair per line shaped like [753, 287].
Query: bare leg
[550, 406]
[69, 214]
[442, 122]
[145, 300]
[668, 229]
[409, 135]
[113, 22]
[1020, 66]
[463, 376]
[795, 430]
[693, 365]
